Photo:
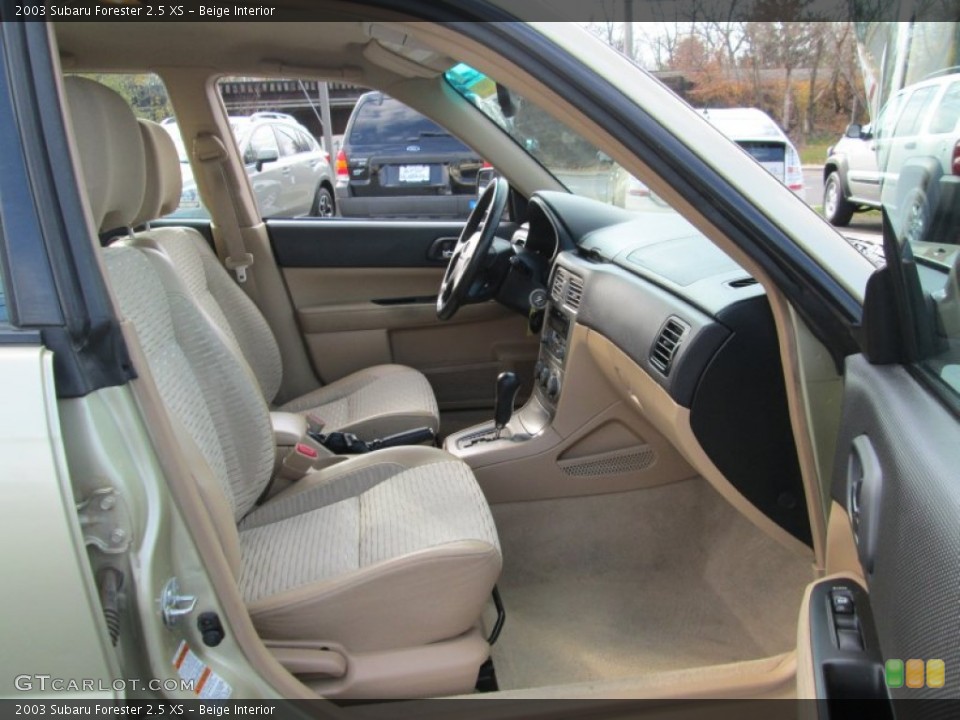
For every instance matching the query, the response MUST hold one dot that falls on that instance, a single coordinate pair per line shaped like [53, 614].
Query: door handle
[442, 248]
[864, 485]
[910, 146]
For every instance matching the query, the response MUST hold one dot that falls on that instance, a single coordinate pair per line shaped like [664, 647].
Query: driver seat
[370, 403]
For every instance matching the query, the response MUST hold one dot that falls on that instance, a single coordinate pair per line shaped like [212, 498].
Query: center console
[534, 417]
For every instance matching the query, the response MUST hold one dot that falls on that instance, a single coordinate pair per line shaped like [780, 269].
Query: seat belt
[209, 150]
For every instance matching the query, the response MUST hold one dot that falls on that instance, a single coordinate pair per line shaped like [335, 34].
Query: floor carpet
[621, 585]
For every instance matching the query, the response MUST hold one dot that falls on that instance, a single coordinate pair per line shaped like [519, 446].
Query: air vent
[559, 280]
[668, 343]
[574, 292]
[742, 283]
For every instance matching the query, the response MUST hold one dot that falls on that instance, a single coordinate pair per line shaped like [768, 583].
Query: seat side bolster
[427, 596]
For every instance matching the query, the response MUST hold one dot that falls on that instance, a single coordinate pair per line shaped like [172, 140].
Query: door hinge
[104, 522]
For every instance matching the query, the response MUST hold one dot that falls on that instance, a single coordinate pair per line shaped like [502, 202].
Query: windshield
[580, 166]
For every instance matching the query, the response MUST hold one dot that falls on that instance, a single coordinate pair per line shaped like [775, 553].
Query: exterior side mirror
[266, 155]
[854, 130]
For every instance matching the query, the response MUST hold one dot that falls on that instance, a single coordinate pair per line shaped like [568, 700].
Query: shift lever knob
[507, 386]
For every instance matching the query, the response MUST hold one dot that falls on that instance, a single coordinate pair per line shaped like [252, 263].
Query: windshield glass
[573, 161]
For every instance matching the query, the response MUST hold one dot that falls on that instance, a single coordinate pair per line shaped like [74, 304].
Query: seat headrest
[110, 149]
[164, 181]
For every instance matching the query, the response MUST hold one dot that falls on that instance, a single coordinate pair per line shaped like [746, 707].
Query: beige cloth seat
[371, 403]
[394, 549]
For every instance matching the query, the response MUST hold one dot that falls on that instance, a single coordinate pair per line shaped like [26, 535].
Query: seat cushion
[372, 403]
[399, 551]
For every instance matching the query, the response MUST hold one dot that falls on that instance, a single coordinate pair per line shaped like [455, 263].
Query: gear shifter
[507, 386]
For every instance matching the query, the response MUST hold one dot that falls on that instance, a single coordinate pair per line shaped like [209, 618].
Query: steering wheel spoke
[470, 252]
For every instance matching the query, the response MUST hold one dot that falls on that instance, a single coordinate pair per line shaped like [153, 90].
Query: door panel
[896, 477]
[364, 293]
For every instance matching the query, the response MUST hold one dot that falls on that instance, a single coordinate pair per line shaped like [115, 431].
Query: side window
[914, 112]
[262, 142]
[305, 143]
[888, 116]
[285, 115]
[388, 160]
[396, 163]
[948, 111]
[287, 141]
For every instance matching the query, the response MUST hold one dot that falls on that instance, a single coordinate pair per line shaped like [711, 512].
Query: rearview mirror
[266, 155]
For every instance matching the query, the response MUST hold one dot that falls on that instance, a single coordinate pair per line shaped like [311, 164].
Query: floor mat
[619, 585]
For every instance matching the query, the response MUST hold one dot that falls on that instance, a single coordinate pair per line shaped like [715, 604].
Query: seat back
[206, 387]
[194, 261]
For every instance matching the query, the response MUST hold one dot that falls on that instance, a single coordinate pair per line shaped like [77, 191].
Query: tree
[144, 92]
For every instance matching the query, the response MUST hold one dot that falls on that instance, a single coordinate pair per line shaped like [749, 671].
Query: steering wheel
[471, 249]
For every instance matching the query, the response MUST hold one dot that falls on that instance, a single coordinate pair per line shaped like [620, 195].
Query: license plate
[414, 173]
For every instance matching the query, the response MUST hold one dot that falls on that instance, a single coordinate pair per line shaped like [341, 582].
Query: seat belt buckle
[315, 424]
[299, 461]
[239, 265]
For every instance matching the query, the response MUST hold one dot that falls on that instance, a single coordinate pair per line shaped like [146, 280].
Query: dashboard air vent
[574, 292]
[559, 280]
[668, 343]
[742, 283]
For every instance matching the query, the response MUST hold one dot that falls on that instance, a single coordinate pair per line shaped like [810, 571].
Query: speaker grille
[615, 463]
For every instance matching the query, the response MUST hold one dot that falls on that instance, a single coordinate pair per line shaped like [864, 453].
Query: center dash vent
[742, 283]
[559, 280]
[574, 292]
[668, 343]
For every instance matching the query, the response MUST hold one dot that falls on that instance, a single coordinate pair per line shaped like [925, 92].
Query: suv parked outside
[288, 169]
[907, 160]
[397, 163]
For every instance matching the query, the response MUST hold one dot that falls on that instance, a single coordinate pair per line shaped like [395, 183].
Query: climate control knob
[553, 386]
[543, 375]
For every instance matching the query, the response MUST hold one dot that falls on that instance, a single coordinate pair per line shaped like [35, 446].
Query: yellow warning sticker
[207, 685]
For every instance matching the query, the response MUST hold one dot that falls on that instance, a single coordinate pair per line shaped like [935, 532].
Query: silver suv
[908, 161]
[288, 169]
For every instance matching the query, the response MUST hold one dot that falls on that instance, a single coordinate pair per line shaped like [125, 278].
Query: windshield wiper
[433, 133]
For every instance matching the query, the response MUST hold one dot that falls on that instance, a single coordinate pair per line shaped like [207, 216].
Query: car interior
[599, 476]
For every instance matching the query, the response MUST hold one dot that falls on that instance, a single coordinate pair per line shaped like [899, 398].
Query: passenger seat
[369, 577]
[370, 403]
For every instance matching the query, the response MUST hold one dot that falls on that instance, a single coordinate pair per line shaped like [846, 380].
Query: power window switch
[849, 640]
[842, 603]
[846, 622]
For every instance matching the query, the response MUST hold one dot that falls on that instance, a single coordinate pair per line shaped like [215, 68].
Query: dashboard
[689, 317]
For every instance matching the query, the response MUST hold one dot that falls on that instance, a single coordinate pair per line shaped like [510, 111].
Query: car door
[297, 172]
[863, 175]
[887, 625]
[364, 293]
[902, 146]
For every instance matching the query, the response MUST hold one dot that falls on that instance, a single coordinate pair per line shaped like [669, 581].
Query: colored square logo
[936, 673]
[894, 673]
[914, 673]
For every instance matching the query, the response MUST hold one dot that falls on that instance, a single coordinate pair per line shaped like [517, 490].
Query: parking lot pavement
[813, 184]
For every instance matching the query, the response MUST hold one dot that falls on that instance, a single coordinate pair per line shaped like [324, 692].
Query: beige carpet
[621, 585]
